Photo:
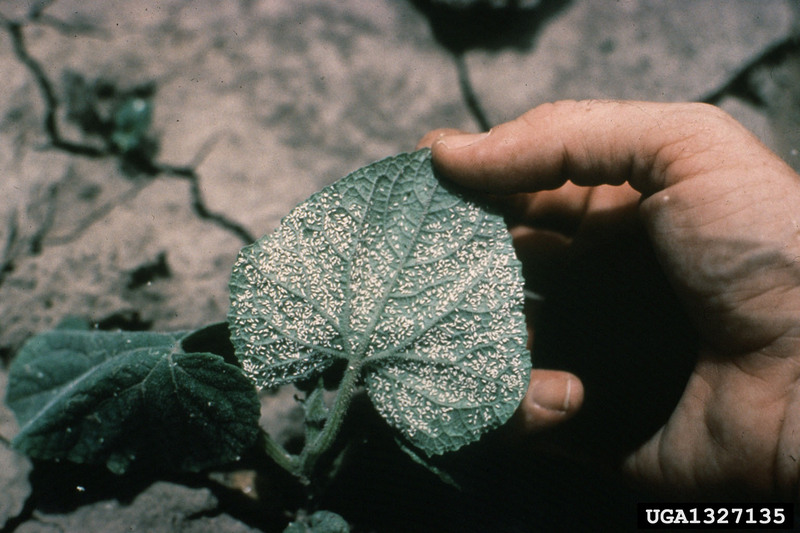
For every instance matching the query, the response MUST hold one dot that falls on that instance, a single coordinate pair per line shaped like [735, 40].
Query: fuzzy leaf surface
[400, 276]
[320, 522]
[116, 398]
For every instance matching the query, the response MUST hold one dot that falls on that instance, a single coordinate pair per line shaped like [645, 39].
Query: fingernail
[462, 140]
[552, 394]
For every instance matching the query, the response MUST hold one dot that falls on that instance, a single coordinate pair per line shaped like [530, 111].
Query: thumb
[553, 396]
[650, 145]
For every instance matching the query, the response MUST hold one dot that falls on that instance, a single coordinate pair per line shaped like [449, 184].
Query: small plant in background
[117, 119]
[388, 283]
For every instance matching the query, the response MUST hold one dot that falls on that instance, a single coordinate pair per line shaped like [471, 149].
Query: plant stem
[314, 450]
[283, 458]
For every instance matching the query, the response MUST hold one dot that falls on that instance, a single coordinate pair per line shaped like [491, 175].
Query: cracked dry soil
[255, 105]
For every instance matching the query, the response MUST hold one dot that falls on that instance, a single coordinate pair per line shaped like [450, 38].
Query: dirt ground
[255, 105]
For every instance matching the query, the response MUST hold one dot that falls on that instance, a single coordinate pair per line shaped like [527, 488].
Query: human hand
[722, 214]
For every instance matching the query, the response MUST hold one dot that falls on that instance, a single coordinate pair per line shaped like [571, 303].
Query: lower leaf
[119, 398]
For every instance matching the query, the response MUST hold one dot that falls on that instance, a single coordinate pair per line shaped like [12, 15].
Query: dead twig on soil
[7, 257]
[468, 93]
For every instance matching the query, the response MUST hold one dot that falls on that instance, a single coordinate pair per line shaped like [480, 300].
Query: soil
[255, 105]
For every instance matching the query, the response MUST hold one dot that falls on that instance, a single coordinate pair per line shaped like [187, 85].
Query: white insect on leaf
[404, 277]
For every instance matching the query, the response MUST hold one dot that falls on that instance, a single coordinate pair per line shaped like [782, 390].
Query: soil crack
[741, 85]
[138, 161]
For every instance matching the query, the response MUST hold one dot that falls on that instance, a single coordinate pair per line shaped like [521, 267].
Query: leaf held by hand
[402, 277]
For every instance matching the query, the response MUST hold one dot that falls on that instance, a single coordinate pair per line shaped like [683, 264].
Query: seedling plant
[390, 283]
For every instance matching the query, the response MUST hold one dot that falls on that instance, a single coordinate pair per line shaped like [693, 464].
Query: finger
[531, 244]
[553, 397]
[542, 253]
[432, 136]
[649, 145]
[560, 210]
[643, 466]
[565, 208]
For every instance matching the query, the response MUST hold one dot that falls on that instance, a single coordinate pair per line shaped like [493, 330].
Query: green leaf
[425, 463]
[118, 397]
[411, 282]
[316, 411]
[320, 522]
[131, 123]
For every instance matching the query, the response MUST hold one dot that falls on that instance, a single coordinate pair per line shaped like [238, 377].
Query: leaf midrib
[67, 389]
[364, 343]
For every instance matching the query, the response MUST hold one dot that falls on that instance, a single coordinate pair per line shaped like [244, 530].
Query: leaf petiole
[302, 465]
[278, 454]
[313, 450]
